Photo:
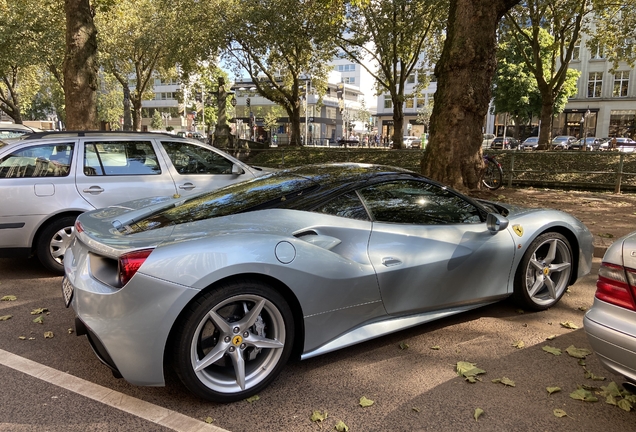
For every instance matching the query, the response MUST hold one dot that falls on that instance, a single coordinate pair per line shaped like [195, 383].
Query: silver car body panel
[611, 329]
[340, 270]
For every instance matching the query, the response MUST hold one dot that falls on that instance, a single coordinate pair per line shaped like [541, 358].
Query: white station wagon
[48, 179]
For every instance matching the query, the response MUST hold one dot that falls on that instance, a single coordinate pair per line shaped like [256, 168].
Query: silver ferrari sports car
[225, 286]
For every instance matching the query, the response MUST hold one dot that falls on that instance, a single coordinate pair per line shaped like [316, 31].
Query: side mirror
[237, 170]
[496, 222]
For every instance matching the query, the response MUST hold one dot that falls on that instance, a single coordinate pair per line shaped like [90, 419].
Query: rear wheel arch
[48, 222]
[47, 228]
[280, 287]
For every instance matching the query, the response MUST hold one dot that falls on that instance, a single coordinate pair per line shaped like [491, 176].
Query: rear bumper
[611, 331]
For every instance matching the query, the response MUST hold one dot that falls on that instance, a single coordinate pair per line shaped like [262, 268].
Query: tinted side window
[45, 160]
[193, 159]
[412, 202]
[104, 158]
[347, 206]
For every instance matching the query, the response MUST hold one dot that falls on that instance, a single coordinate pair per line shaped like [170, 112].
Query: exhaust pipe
[630, 387]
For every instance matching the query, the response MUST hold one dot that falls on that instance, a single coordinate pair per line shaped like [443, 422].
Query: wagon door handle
[187, 186]
[390, 261]
[93, 190]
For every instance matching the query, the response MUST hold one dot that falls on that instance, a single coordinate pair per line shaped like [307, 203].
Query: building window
[594, 84]
[388, 103]
[349, 80]
[596, 51]
[421, 102]
[576, 52]
[621, 81]
[622, 123]
[410, 79]
[330, 112]
[409, 103]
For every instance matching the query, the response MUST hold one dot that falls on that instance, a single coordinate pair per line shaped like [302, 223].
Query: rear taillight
[78, 226]
[129, 264]
[615, 285]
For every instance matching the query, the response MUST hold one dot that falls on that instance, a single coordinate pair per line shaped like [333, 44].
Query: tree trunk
[294, 119]
[80, 66]
[547, 110]
[127, 113]
[464, 75]
[136, 113]
[398, 124]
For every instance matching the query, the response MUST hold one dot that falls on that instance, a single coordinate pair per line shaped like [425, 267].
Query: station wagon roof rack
[73, 134]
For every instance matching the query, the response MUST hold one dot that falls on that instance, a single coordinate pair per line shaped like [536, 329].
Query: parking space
[409, 375]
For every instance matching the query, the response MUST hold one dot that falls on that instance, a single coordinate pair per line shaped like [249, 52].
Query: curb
[599, 251]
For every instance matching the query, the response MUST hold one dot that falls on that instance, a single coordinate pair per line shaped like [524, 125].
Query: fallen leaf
[70, 331]
[404, 346]
[611, 400]
[559, 413]
[612, 389]
[478, 413]
[317, 416]
[520, 311]
[9, 298]
[505, 381]
[469, 371]
[579, 353]
[584, 395]
[5, 317]
[39, 311]
[415, 409]
[341, 427]
[582, 308]
[48, 335]
[551, 337]
[606, 235]
[552, 350]
[553, 389]
[589, 375]
[436, 347]
[364, 402]
[209, 420]
[519, 344]
[581, 362]
[252, 398]
[39, 320]
[625, 405]
[569, 325]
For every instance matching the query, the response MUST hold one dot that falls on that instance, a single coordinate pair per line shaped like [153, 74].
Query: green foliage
[157, 121]
[614, 30]
[109, 101]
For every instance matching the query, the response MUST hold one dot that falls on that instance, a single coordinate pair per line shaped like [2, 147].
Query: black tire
[250, 341]
[52, 243]
[544, 273]
[493, 174]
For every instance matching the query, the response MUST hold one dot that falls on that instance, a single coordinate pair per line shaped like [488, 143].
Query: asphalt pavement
[57, 384]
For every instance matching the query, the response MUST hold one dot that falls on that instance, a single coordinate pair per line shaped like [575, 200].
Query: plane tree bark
[464, 75]
[80, 66]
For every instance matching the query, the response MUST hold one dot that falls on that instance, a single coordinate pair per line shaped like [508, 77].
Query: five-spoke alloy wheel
[544, 272]
[233, 341]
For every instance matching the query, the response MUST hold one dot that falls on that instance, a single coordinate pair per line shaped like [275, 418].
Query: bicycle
[493, 173]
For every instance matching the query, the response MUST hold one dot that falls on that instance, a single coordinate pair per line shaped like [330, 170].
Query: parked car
[530, 143]
[591, 143]
[227, 284]
[412, 142]
[501, 143]
[47, 179]
[562, 142]
[610, 323]
[14, 130]
[623, 144]
[487, 140]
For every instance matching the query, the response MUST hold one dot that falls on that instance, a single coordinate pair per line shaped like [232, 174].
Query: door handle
[390, 261]
[93, 190]
[187, 186]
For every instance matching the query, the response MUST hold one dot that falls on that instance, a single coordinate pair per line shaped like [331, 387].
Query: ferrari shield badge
[518, 229]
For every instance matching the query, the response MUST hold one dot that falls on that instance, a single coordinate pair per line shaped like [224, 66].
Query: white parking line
[137, 407]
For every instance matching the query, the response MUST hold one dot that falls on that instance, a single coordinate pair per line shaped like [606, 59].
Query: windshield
[263, 191]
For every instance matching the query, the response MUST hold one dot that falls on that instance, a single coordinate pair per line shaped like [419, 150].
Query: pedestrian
[613, 144]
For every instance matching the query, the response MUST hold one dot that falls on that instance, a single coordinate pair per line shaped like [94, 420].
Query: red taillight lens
[78, 226]
[129, 264]
[613, 286]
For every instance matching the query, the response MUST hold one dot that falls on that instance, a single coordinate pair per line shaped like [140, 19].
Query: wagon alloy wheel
[544, 273]
[53, 243]
[235, 343]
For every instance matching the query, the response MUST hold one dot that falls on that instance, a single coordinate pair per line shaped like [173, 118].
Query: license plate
[67, 291]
